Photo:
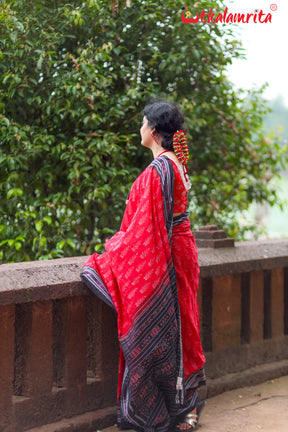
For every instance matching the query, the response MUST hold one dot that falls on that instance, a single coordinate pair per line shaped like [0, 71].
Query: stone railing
[58, 342]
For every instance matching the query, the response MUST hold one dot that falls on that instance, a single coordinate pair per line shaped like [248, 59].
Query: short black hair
[166, 118]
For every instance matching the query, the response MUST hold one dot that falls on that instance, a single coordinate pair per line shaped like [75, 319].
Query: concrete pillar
[33, 368]
[256, 306]
[7, 337]
[277, 302]
[226, 311]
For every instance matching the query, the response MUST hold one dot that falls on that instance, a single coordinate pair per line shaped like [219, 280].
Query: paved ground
[263, 407]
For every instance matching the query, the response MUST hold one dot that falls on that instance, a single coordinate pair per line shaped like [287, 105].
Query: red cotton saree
[149, 275]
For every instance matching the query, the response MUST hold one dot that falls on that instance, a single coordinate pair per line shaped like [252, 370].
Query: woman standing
[149, 275]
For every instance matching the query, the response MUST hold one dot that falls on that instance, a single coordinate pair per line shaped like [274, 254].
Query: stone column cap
[210, 236]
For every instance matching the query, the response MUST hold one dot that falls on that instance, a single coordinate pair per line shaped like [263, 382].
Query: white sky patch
[265, 46]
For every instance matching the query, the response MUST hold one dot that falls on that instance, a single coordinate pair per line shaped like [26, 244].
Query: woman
[149, 275]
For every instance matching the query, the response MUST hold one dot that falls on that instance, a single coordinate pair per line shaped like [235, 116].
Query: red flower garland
[180, 146]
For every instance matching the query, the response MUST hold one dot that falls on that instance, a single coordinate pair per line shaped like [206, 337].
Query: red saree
[149, 274]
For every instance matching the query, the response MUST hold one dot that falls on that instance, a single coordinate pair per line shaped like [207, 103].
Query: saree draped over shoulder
[149, 275]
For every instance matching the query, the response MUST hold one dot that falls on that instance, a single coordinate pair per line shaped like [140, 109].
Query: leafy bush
[74, 80]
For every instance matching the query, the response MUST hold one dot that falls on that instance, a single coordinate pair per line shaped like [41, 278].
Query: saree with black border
[136, 276]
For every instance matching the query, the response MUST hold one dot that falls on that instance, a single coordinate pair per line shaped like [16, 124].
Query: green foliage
[74, 80]
[277, 119]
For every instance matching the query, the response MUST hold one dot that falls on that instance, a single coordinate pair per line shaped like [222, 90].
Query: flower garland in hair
[180, 147]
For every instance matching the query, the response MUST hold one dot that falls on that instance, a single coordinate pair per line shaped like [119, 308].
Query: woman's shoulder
[161, 164]
[159, 167]
[178, 169]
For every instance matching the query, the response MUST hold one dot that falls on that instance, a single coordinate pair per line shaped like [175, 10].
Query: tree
[74, 80]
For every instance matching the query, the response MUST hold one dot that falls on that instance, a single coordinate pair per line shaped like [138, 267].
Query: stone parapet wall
[58, 342]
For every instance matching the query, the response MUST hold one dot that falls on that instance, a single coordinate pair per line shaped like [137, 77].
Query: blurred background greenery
[272, 220]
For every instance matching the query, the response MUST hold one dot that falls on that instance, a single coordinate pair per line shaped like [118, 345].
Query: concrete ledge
[88, 422]
[244, 257]
[59, 278]
[41, 280]
[249, 377]
[242, 357]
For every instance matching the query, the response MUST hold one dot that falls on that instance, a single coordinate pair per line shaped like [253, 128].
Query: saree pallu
[136, 276]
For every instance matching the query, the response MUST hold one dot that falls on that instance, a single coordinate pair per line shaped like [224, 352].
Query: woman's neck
[164, 151]
[156, 150]
[168, 153]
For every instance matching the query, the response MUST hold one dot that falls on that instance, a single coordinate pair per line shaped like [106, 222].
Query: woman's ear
[153, 135]
[154, 132]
